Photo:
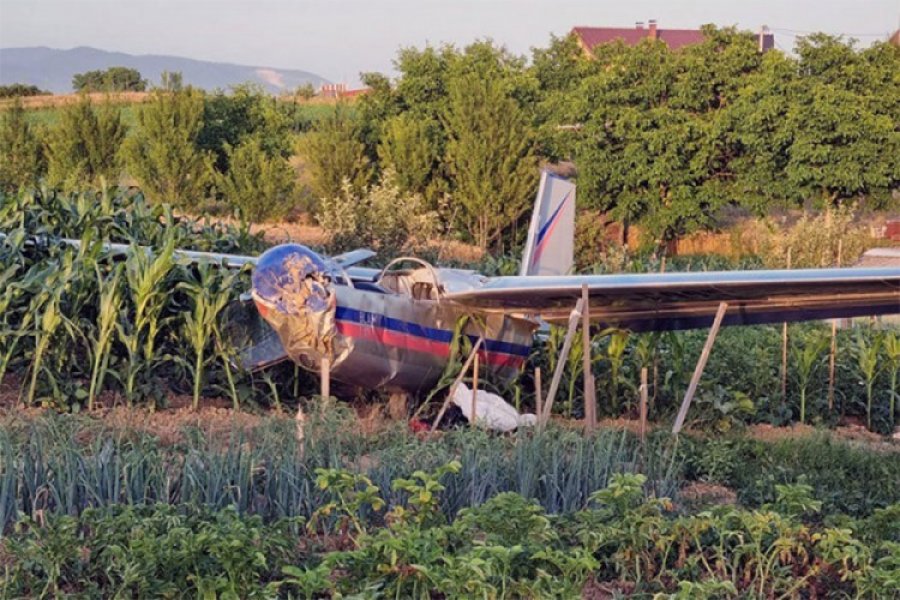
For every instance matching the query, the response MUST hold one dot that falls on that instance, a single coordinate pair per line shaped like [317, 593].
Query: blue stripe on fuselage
[345, 313]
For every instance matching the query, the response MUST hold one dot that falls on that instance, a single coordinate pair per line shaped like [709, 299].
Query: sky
[338, 39]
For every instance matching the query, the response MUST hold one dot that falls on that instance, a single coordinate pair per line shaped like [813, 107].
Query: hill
[52, 69]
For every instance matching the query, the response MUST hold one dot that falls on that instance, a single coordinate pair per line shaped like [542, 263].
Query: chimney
[763, 31]
[638, 24]
[652, 35]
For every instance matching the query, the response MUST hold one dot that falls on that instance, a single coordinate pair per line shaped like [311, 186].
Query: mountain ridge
[52, 69]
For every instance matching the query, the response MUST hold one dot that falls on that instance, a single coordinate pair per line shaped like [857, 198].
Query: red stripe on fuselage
[418, 344]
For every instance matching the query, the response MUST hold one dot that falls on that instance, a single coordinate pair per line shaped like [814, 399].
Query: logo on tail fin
[551, 237]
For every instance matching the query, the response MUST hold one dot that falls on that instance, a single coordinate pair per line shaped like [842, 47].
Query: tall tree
[259, 185]
[83, 148]
[490, 156]
[162, 152]
[333, 152]
[21, 161]
[408, 146]
[113, 79]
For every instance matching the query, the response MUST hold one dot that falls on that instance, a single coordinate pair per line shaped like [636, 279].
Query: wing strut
[574, 317]
[701, 365]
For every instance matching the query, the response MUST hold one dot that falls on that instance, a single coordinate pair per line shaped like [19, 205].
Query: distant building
[591, 37]
[895, 39]
[339, 90]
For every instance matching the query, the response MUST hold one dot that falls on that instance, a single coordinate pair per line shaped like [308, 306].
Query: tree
[408, 146]
[21, 161]
[490, 156]
[83, 148]
[171, 81]
[21, 90]
[334, 152]
[259, 185]
[229, 118]
[305, 91]
[162, 152]
[113, 79]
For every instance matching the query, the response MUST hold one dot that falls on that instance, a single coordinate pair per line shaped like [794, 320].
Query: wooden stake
[537, 392]
[325, 390]
[833, 355]
[456, 382]
[561, 362]
[784, 348]
[590, 400]
[474, 390]
[643, 407]
[701, 365]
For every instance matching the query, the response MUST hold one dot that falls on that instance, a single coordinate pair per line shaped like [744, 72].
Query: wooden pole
[456, 382]
[590, 399]
[701, 365]
[784, 348]
[561, 362]
[643, 411]
[833, 355]
[538, 390]
[325, 390]
[474, 390]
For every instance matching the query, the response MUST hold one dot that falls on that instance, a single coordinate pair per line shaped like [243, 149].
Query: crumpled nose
[292, 279]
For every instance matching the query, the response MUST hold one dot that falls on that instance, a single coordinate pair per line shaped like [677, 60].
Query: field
[135, 460]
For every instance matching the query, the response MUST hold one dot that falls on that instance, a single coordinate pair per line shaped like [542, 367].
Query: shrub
[258, 185]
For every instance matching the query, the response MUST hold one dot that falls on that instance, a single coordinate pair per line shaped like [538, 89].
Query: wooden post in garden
[643, 405]
[590, 397]
[474, 391]
[538, 390]
[784, 349]
[833, 357]
[701, 364]
[561, 363]
[456, 382]
[325, 390]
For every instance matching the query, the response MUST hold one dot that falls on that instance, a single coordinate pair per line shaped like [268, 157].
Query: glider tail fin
[550, 246]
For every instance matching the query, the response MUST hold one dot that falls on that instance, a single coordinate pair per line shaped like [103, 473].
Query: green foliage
[113, 79]
[83, 147]
[383, 217]
[162, 152]
[21, 90]
[490, 157]
[333, 151]
[408, 147]
[258, 185]
[21, 159]
[230, 119]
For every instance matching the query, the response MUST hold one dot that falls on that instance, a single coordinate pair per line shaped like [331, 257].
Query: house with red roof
[591, 37]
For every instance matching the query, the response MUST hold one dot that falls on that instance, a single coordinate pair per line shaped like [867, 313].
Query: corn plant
[146, 276]
[891, 344]
[107, 312]
[807, 357]
[866, 351]
[208, 293]
[615, 355]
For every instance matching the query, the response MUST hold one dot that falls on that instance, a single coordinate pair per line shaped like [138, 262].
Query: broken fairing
[293, 289]
[394, 333]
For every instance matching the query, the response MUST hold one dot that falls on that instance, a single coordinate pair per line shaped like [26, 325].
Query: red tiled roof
[592, 37]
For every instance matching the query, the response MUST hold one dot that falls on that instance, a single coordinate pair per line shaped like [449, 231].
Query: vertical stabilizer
[550, 247]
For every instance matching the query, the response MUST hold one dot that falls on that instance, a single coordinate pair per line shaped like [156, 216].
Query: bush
[258, 185]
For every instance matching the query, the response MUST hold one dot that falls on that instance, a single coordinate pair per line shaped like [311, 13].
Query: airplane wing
[665, 301]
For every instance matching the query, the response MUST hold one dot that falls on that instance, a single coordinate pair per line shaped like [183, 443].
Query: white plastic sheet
[492, 412]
